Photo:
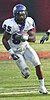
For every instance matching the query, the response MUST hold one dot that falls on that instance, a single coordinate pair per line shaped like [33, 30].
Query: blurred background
[39, 10]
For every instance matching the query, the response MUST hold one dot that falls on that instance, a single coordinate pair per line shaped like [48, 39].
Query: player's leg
[23, 66]
[31, 55]
[42, 88]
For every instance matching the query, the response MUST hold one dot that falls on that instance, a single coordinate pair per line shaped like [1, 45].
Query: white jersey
[16, 29]
[22, 49]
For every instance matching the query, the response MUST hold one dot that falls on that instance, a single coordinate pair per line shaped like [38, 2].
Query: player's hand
[24, 37]
[44, 38]
[14, 56]
[47, 37]
[41, 41]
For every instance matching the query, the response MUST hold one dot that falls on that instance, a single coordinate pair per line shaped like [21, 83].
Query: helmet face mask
[19, 13]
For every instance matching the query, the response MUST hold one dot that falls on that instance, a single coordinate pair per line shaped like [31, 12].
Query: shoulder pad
[30, 23]
[8, 25]
[30, 20]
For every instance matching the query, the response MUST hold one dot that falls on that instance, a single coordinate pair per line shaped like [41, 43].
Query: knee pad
[26, 73]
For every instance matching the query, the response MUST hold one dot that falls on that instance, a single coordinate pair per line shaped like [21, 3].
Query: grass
[11, 79]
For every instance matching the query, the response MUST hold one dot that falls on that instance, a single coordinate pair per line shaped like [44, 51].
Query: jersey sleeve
[31, 23]
[7, 26]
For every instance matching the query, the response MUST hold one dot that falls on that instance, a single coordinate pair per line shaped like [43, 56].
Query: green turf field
[13, 86]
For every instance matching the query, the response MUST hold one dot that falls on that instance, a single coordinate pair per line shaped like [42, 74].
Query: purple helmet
[19, 12]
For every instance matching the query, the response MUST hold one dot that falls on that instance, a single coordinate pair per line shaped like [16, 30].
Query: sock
[41, 81]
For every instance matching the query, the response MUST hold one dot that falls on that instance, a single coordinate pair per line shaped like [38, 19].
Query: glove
[47, 37]
[41, 41]
[44, 38]
[15, 57]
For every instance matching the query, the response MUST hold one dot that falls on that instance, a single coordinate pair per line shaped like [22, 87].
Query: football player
[45, 37]
[17, 31]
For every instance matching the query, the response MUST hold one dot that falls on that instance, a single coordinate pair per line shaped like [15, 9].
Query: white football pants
[30, 55]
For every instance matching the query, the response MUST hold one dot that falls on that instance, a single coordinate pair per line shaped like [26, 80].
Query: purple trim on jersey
[21, 26]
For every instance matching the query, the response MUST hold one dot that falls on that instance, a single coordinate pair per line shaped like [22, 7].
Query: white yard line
[20, 93]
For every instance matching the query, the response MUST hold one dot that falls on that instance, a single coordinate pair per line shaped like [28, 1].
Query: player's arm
[45, 37]
[6, 37]
[32, 36]
[31, 30]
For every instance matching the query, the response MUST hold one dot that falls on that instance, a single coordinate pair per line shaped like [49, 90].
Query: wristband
[11, 51]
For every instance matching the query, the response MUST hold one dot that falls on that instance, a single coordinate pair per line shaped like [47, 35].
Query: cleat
[43, 90]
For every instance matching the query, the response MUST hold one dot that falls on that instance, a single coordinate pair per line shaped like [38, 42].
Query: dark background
[37, 9]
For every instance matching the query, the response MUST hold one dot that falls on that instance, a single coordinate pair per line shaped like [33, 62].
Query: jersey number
[16, 39]
[8, 28]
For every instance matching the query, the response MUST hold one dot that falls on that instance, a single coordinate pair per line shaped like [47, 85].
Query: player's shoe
[43, 90]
